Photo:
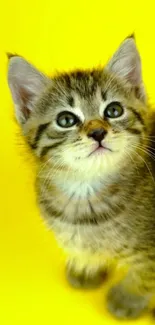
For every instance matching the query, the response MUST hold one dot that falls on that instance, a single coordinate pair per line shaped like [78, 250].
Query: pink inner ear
[25, 98]
[133, 78]
[135, 74]
[26, 112]
[126, 63]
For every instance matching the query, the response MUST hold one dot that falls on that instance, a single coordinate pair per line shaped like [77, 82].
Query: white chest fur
[76, 200]
[80, 189]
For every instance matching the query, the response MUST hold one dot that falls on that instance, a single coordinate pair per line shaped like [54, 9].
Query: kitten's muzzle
[97, 134]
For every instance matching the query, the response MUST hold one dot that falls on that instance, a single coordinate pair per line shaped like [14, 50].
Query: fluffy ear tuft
[11, 55]
[26, 84]
[126, 64]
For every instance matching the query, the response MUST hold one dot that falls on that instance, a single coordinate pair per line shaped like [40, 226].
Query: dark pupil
[69, 120]
[66, 120]
[113, 111]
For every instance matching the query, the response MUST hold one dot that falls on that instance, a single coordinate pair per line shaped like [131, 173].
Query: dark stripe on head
[38, 135]
[71, 101]
[52, 146]
[104, 95]
[137, 114]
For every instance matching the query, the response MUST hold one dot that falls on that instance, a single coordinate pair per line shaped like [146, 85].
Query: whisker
[145, 163]
[145, 150]
[127, 152]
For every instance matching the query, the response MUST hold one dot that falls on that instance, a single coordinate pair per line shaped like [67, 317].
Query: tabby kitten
[91, 132]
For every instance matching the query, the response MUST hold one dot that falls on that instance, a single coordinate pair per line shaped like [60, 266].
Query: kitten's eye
[113, 110]
[67, 119]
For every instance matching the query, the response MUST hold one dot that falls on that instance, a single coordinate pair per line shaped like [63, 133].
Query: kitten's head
[86, 121]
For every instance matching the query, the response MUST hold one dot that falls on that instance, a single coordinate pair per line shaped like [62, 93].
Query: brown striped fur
[101, 207]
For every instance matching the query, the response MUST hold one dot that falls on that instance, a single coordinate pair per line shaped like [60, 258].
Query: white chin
[97, 164]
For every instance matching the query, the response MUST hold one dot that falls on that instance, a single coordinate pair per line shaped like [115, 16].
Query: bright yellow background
[54, 35]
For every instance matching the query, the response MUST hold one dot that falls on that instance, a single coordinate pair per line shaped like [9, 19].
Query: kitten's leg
[85, 275]
[124, 304]
[131, 297]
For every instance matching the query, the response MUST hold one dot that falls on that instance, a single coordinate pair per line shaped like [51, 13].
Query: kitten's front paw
[85, 279]
[125, 305]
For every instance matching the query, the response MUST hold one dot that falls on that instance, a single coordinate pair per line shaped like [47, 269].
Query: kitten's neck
[84, 185]
[81, 188]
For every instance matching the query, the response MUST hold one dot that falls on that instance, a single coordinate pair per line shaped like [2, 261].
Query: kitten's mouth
[99, 150]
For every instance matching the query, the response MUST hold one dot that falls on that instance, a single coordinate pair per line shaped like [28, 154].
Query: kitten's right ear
[26, 84]
[126, 64]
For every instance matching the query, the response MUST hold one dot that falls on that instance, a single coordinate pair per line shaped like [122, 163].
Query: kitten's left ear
[26, 84]
[126, 64]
